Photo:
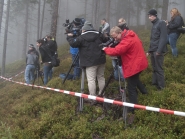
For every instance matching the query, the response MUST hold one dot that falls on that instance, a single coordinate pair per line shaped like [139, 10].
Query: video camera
[110, 43]
[75, 26]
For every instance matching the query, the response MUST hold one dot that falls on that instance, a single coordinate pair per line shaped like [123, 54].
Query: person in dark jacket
[52, 45]
[74, 53]
[172, 26]
[122, 24]
[91, 56]
[157, 48]
[46, 59]
[32, 61]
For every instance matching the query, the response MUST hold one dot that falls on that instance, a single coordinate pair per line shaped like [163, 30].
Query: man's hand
[103, 48]
[147, 54]
[166, 22]
[157, 54]
[70, 34]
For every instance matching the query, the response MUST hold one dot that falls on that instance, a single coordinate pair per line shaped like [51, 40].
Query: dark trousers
[158, 72]
[133, 83]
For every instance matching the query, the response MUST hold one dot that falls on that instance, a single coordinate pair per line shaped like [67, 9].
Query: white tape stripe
[78, 94]
[128, 104]
[108, 100]
[92, 97]
[179, 113]
[152, 109]
[66, 92]
[57, 90]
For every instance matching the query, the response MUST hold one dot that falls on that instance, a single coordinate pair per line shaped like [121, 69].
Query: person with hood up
[91, 56]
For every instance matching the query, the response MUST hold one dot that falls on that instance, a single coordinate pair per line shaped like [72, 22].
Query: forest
[27, 113]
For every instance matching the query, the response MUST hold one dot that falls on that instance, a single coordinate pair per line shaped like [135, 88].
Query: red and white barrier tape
[104, 99]
[14, 76]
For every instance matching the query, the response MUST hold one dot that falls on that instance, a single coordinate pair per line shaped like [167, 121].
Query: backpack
[182, 28]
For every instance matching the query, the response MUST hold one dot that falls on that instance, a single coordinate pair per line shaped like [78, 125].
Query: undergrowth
[43, 114]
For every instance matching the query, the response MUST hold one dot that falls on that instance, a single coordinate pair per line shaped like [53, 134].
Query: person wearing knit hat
[77, 21]
[152, 12]
[157, 48]
[87, 26]
[91, 56]
[32, 62]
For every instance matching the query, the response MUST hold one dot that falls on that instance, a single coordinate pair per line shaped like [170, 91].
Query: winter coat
[32, 58]
[132, 54]
[45, 53]
[90, 53]
[52, 45]
[174, 24]
[158, 39]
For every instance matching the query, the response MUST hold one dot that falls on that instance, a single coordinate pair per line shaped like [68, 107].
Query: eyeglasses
[115, 37]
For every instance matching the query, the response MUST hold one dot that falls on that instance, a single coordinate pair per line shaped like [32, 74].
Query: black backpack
[182, 28]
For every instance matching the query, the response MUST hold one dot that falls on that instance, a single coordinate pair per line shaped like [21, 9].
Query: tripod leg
[123, 95]
[82, 90]
[72, 65]
[34, 80]
[41, 77]
[123, 92]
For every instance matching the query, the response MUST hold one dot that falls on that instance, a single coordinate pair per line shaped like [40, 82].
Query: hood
[127, 33]
[90, 36]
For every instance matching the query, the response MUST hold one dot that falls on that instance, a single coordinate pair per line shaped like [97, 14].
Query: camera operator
[116, 60]
[32, 62]
[74, 51]
[52, 45]
[133, 58]
[91, 56]
[46, 59]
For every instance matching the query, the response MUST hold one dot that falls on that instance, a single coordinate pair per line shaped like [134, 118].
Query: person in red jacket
[133, 58]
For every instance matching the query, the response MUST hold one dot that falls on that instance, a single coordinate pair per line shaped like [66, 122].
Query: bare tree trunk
[92, 15]
[42, 21]
[5, 39]
[85, 10]
[1, 12]
[25, 30]
[54, 18]
[165, 9]
[108, 11]
[149, 5]
[67, 4]
[38, 20]
[128, 13]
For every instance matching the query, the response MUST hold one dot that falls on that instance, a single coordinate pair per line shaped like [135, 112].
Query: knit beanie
[77, 21]
[31, 45]
[87, 26]
[152, 12]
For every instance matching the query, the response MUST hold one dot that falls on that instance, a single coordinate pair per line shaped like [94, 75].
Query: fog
[134, 11]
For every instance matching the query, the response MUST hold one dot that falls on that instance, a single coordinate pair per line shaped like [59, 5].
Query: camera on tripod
[110, 43]
[74, 27]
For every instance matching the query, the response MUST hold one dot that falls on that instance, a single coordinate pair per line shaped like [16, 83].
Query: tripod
[122, 91]
[72, 65]
[37, 75]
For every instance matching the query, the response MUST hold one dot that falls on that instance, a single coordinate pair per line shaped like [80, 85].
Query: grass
[44, 114]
